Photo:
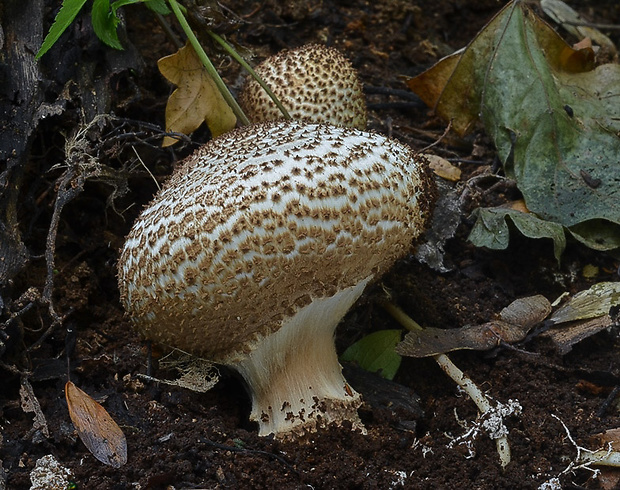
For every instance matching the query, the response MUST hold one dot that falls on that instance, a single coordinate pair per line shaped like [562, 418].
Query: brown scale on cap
[312, 82]
[244, 261]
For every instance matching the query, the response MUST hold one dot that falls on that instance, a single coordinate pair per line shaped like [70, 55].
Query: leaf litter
[554, 119]
[196, 98]
[96, 428]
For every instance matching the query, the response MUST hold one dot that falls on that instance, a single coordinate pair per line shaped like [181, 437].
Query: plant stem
[231, 51]
[207, 64]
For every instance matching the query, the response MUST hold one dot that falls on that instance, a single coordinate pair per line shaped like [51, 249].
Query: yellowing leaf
[97, 430]
[196, 98]
[443, 168]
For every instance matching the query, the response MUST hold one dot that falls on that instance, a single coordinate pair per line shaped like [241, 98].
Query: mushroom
[312, 82]
[258, 245]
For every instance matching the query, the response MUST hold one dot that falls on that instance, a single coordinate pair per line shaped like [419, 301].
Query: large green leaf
[105, 23]
[555, 130]
[554, 119]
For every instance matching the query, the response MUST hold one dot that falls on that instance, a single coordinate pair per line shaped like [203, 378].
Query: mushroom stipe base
[296, 379]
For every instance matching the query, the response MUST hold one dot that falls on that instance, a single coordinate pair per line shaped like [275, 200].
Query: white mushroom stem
[294, 376]
[461, 379]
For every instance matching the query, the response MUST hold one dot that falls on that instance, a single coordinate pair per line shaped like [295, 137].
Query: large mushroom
[258, 245]
[314, 82]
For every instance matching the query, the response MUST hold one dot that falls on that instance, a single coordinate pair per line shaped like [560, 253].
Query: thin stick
[458, 376]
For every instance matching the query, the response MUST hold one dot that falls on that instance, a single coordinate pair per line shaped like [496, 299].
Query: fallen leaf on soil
[443, 168]
[491, 229]
[513, 324]
[196, 98]
[609, 478]
[554, 120]
[375, 353]
[572, 22]
[97, 430]
[586, 313]
[591, 303]
[609, 437]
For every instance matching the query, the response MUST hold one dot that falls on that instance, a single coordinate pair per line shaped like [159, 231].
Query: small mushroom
[313, 82]
[258, 245]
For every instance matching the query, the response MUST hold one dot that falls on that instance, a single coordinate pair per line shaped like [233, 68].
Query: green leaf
[554, 119]
[597, 234]
[491, 229]
[558, 127]
[105, 23]
[375, 353]
[121, 3]
[68, 12]
[159, 6]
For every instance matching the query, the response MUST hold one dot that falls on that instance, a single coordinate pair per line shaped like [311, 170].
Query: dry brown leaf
[518, 205]
[611, 436]
[571, 333]
[443, 168]
[196, 98]
[572, 22]
[583, 315]
[97, 430]
[514, 322]
[429, 85]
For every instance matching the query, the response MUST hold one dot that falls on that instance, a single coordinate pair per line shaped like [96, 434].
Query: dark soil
[181, 439]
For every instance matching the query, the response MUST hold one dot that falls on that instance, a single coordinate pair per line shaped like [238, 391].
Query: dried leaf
[514, 322]
[591, 303]
[97, 430]
[429, 85]
[572, 333]
[611, 437]
[196, 99]
[443, 168]
[569, 19]
[583, 315]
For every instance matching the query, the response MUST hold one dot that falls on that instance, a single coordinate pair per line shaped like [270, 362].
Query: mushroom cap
[260, 222]
[313, 82]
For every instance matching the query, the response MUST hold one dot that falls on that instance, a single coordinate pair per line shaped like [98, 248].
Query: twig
[608, 401]
[495, 428]
[225, 447]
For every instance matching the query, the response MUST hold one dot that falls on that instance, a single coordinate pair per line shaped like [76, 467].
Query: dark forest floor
[181, 439]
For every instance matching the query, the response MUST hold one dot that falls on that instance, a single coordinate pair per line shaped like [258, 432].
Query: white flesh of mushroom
[295, 374]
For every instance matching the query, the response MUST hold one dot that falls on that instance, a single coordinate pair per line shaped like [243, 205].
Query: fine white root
[586, 457]
[492, 416]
